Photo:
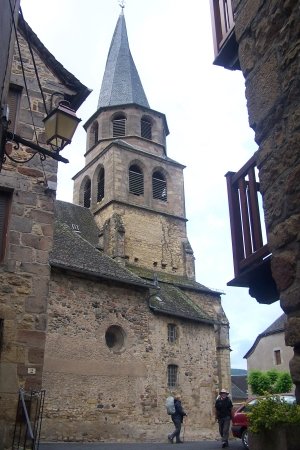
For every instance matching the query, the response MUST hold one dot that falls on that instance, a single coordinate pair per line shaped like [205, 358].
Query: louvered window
[94, 133]
[87, 194]
[172, 376]
[119, 126]
[14, 97]
[4, 207]
[146, 129]
[100, 186]
[136, 180]
[159, 186]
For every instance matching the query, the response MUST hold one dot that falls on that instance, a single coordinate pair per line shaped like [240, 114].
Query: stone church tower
[127, 322]
[134, 189]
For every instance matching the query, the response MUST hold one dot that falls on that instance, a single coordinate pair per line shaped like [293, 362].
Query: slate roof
[179, 281]
[276, 327]
[121, 84]
[237, 393]
[173, 301]
[77, 250]
[67, 78]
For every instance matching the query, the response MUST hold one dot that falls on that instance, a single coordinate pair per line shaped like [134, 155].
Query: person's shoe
[170, 439]
[225, 444]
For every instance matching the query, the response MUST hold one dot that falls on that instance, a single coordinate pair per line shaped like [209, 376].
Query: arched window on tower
[119, 125]
[87, 194]
[146, 128]
[94, 133]
[159, 186]
[100, 185]
[136, 180]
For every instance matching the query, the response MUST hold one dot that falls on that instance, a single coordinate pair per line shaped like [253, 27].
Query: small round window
[115, 338]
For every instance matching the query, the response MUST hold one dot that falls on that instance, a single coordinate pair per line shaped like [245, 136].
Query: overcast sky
[171, 43]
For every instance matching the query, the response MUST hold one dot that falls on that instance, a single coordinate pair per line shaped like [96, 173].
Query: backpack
[170, 406]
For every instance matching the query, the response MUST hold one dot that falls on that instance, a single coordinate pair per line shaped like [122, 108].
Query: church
[127, 324]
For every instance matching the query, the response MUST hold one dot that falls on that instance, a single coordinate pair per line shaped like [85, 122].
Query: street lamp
[60, 126]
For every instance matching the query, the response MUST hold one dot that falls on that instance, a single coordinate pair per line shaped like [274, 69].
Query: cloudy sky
[171, 43]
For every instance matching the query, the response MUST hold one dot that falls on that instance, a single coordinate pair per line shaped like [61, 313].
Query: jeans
[224, 425]
[176, 433]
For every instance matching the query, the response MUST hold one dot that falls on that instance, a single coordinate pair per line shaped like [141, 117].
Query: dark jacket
[179, 412]
[223, 407]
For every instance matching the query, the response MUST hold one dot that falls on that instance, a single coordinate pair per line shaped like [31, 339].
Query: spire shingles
[121, 84]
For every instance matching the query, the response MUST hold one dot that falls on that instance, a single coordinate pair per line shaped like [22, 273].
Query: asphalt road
[194, 445]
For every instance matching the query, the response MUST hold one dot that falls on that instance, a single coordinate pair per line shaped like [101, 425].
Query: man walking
[177, 419]
[223, 407]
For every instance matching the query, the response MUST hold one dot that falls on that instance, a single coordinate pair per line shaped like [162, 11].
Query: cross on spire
[122, 4]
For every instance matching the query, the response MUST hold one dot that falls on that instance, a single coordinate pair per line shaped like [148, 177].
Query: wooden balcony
[225, 45]
[251, 257]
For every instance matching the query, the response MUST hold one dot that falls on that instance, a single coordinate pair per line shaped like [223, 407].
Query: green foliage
[272, 382]
[270, 412]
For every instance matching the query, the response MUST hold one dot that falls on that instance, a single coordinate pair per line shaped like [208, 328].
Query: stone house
[269, 350]
[26, 222]
[261, 38]
[99, 304]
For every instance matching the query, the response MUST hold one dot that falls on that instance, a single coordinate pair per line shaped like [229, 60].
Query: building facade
[99, 305]
[26, 221]
[262, 39]
[128, 324]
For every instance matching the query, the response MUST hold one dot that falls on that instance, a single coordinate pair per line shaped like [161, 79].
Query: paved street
[195, 445]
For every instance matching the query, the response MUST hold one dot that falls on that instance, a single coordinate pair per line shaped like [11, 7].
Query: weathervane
[122, 4]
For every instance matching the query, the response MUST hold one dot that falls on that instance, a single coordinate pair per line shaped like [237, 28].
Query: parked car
[239, 425]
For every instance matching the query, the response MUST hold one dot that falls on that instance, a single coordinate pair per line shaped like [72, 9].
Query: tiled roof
[121, 84]
[67, 78]
[74, 247]
[173, 301]
[276, 327]
[176, 280]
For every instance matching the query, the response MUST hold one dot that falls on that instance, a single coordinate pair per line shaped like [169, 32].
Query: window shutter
[136, 181]
[14, 96]
[119, 127]
[146, 129]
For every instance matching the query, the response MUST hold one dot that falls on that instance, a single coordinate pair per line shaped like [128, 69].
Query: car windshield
[290, 399]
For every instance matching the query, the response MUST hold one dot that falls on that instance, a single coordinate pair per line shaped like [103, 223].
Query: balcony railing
[251, 257]
[225, 45]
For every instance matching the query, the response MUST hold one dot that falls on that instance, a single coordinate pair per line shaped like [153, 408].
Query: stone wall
[95, 392]
[269, 43]
[25, 272]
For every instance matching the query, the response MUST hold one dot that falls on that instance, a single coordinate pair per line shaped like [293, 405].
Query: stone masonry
[25, 270]
[269, 42]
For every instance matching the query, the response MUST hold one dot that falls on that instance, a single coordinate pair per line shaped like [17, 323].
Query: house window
[277, 357]
[100, 185]
[136, 180]
[146, 128]
[119, 125]
[159, 186]
[172, 375]
[87, 194]
[4, 208]
[14, 98]
[172, 332]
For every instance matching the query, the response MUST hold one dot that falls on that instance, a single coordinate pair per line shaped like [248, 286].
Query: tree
[271, 381]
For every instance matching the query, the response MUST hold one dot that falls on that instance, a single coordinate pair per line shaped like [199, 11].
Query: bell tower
[135, 191]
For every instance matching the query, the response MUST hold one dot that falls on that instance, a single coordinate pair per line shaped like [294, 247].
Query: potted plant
[274, 425]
